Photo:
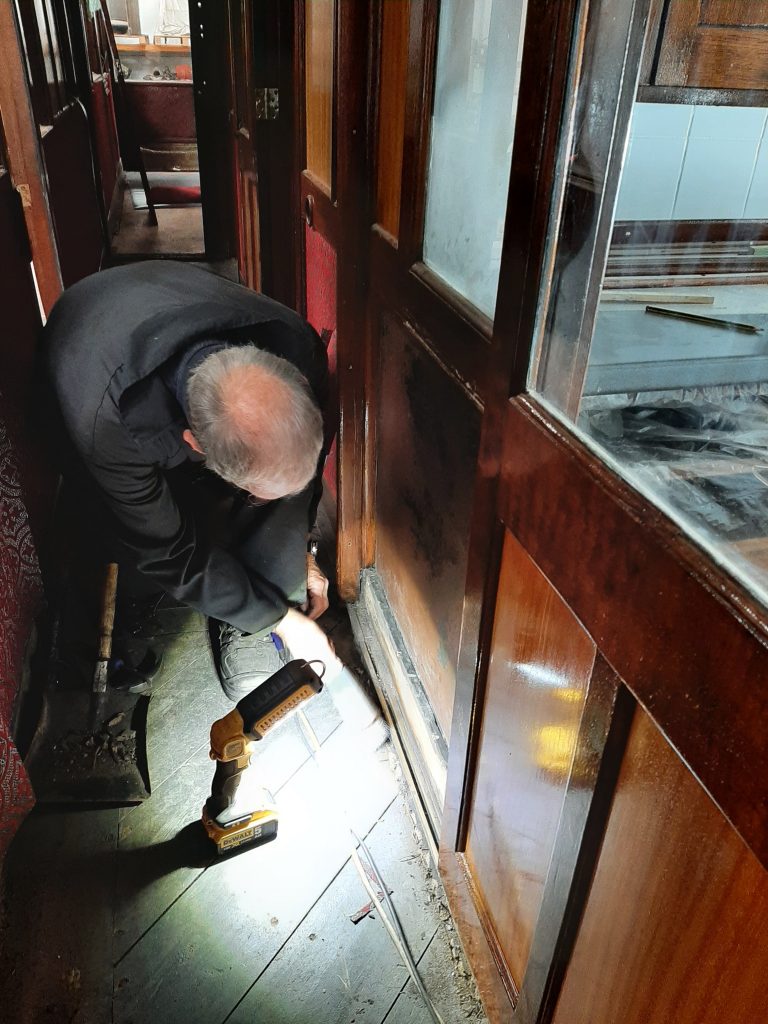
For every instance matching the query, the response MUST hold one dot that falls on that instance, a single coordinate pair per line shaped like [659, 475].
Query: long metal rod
[711, 321]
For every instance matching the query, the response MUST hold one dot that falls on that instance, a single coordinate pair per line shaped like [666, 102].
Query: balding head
[255, 420]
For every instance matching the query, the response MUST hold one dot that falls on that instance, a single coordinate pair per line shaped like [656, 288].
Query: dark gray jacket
[105, 342]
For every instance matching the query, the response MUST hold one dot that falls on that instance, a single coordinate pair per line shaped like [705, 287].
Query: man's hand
[317, 589]
[306, 640]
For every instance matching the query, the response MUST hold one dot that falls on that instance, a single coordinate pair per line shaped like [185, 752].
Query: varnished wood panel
[319, 60]
[541, 662]
[676, 925]
[24, 161]
[393, 70]
[735, 12]
[427, 438]
[714, 45]
[687, 640]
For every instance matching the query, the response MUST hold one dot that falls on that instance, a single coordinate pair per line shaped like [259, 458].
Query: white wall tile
[651, 172]
[715, 180]
[660, 120]
[728, 122]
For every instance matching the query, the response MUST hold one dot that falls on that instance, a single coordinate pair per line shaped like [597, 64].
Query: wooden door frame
[535, 469]
[210, 53]
[25, 159]
[342, 218]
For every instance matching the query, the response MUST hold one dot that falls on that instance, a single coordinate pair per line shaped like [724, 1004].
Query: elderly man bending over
[194, 406]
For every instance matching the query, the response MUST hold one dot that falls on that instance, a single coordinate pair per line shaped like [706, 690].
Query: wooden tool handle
[107, 618]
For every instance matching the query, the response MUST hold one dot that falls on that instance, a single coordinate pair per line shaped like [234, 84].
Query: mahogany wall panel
[427, 436]
[676, 924]
[162, 111]
[391, 114]
[319, 60]
[73, 195]
[714, 45]
[541, 663]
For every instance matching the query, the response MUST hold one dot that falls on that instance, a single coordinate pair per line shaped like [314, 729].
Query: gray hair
[256, 420]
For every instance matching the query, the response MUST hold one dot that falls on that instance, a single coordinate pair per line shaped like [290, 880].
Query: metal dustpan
[90, 742]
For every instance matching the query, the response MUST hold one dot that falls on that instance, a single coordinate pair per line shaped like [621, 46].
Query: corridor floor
[127, 916]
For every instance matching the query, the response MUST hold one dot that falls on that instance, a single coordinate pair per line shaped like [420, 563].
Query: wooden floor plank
[162, 849]
[451, 991]
[204, 954]
[55, 949]
[332, 970]
[162, 846]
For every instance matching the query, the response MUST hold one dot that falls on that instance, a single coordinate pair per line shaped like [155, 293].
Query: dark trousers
[269, 540]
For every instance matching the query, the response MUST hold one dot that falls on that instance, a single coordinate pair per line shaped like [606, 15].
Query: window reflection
[656, 335]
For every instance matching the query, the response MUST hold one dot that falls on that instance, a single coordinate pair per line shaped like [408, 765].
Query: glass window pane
[654, 341]
[477, 79]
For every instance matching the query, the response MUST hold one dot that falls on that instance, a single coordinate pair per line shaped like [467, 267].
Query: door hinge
[266, 105]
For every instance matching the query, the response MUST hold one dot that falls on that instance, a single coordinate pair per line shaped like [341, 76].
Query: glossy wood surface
[427, 436]
[688, 641]
[393, 68]
[24, 160]
[549, 33]
[541, 662]
[605, 723]
[714, 45]
[73, 195]
[319, 31]
[676, 925]
[419, 93]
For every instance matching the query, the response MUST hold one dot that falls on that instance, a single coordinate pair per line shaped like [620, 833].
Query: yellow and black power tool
[232, 744]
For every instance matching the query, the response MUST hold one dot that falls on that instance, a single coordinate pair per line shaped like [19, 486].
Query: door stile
[25, 159]
[543, 99]
[420, 88]
[602, 741]
[352, 149]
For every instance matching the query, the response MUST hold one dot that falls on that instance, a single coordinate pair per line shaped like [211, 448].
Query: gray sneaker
[245, 661]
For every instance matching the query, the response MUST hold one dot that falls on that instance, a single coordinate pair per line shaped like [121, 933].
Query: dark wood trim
[25, 159]
[648, 600]
[656, 21]
[703, 97]
[353, 176]
[480, 952]
[456, 828]
[686, 280]
[211, 63]
[374, 310]
[372, 362]
[653, 248]
[299, 148]
[449, 327]
[612, 54]
[550, 33]
[419, 95]
[273, 143]
[684, 232]
[323, 214]
[33, 48]
[600, 747]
